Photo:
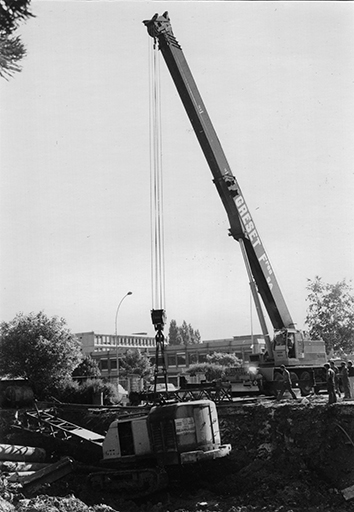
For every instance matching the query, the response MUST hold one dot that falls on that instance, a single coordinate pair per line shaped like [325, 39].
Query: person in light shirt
[351, 378]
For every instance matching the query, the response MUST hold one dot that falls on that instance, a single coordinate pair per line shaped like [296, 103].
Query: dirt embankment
[286, 456]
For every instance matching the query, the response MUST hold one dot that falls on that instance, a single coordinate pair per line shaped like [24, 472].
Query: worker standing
[330, 380]
[286, 384]
[351, 378]
[336, 378]
[345, 380]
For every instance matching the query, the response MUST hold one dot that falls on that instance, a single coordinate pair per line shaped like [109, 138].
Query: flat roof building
[92, 342]
[106, 349]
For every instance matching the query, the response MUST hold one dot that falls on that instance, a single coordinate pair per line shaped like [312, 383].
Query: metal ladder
[217, 394]
[46, 422]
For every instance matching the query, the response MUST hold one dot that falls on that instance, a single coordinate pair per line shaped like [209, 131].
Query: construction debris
[9, 466]
[21, 453]
[348, 493]
[33, 481]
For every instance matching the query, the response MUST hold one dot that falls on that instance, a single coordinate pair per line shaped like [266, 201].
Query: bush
[92, 386]
[67, 391]
[110, 394]
[73, 392]
[211, 371]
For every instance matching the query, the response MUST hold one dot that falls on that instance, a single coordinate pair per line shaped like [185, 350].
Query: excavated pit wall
[308, 434]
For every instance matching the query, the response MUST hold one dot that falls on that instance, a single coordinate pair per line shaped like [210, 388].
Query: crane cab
[293, 347]
[288, 345]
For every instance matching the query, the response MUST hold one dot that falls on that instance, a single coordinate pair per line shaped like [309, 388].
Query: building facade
[92, 342]
[107, 349]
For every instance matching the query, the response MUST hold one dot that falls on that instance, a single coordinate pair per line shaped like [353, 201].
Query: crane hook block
[158, 317]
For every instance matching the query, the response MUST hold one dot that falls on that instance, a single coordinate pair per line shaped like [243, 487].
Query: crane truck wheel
[305, 383]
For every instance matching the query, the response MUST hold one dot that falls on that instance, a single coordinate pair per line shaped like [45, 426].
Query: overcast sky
[278, 82]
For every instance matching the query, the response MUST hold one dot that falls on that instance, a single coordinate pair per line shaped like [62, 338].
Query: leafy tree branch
[330, 314]
[12, 50]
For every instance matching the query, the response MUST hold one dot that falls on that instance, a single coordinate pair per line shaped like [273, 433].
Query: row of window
[111, 363]
[173, 360]
[181, 359]
[110, 341]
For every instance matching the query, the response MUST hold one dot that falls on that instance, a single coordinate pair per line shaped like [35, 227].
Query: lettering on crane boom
[254, 237]
[247, 221]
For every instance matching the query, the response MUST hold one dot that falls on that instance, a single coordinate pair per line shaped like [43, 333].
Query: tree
[194, 335]
[173, 333]
[12, 12]
[330, 315]
[183, 335]
[223, 359]
[87, 368]
[136, 363]
[11, 52]
[39, 349]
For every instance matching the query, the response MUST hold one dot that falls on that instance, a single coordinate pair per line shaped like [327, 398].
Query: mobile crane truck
[289, 346]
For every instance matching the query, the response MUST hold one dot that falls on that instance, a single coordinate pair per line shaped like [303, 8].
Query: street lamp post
[116, 335]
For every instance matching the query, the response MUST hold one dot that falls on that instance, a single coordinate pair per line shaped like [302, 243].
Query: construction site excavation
[275, 434]
[281, 456]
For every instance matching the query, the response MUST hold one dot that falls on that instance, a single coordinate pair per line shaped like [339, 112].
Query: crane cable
[156, 219]
[156, 184]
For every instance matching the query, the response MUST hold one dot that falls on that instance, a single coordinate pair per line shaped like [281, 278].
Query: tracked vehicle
[140, 453]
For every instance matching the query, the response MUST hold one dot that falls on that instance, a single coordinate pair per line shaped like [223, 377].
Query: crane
[289, 346]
